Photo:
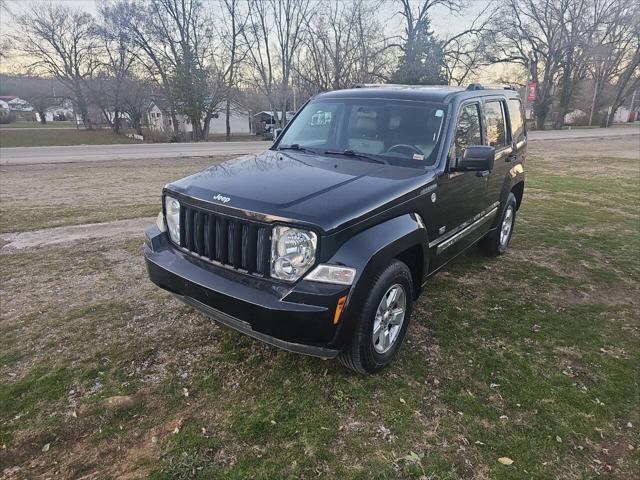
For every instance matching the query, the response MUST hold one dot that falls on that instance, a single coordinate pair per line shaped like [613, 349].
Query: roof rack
[396, 85]
[490, 86]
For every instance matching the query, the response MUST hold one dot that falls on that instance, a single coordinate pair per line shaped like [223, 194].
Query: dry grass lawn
[533, 356]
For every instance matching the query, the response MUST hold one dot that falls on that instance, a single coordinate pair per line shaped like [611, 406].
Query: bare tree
[175, 39]
[116, 63]
[346, 45]
[233, 23]
[135, 98]
[273, 60]
[613, 52]
[530, 33]
[62, 43]
[467, 51]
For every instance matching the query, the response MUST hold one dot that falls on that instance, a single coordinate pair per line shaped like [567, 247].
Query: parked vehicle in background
[321, 244]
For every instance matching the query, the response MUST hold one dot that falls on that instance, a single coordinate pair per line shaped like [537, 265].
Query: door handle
[511, 158]
[483, 173]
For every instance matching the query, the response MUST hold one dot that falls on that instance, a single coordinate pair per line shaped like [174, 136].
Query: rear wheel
[383, 321]
[497, 241]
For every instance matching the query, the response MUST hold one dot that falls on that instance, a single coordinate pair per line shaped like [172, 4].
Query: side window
[468, 128]
[517, 119]
[496, 132]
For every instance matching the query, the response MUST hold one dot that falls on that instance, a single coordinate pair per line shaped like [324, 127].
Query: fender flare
[511, 179]
[369, 251]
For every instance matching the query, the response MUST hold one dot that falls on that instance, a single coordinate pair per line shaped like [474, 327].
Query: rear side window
[517, 119]
[496, 132]
[468, 128]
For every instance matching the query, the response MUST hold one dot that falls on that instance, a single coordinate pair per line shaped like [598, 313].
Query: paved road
[584, 133]
[94, 153]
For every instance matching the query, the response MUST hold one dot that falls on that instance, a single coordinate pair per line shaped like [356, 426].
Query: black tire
[494, 244]
[362, 355]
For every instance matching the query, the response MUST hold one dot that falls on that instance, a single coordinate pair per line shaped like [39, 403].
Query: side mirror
[276, 133]
[477, 158]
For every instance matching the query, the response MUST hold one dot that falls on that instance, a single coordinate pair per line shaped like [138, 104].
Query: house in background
[58, 113]
[159, 120]
[19, 108]
[264, 122]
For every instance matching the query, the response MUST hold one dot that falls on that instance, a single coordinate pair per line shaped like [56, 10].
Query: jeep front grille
[224, 240]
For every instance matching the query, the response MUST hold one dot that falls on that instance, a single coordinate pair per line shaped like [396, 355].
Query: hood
[326, 191]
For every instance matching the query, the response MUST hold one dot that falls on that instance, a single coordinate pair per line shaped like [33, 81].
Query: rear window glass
[517, 119]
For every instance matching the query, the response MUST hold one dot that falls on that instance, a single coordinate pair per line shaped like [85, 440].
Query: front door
[461, 196]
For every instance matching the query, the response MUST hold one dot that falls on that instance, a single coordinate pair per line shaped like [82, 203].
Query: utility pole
[593, 102]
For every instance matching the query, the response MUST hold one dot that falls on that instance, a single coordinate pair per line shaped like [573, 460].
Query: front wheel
[383, 321]
[497, 241]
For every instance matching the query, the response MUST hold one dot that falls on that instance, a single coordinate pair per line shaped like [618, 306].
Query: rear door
[496, 117]
[517, 130]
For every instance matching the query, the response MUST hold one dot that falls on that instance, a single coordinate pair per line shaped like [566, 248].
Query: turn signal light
[339, 308]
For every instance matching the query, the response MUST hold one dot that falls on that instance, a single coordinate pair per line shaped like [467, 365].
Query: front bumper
[298, 317]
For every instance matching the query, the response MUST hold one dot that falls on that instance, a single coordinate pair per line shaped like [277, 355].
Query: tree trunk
[43, 119]
[116, 122]
[205, 130]
[565, 99]
[227, 118]
[174, 123]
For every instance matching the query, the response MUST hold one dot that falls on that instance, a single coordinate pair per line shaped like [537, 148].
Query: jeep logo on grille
[221, 198]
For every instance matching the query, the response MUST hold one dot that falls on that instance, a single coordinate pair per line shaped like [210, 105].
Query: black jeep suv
[321, 244]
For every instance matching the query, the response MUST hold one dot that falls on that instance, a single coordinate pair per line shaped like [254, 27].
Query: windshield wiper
[294, 146]
[353, 153]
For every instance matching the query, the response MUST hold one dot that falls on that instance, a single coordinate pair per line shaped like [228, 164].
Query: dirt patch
[64, 235]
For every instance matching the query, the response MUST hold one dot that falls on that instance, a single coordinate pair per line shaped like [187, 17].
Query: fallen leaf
[558, 439]
[505, 460]
[46, 447]
[185, 392]
[176, 430]
[402, 400]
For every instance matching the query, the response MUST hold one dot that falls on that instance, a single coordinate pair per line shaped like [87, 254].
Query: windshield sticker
[418, 157]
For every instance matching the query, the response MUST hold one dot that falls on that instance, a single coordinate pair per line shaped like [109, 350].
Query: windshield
[396, 131]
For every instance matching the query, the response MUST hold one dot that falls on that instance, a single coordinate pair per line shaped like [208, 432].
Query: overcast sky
[443, 22]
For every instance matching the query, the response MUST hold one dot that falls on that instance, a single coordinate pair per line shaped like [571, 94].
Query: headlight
[172, 214]
[160, 222]
[293, 252]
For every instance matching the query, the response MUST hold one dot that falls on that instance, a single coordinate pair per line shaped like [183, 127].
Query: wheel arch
[401, 238]
[518, 192]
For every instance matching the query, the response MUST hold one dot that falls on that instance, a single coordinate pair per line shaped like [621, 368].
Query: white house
[15, 104]
[159, 118]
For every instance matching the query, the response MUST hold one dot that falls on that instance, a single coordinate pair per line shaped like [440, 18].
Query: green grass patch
[37, 125]
[22, 219]
[49, 137]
